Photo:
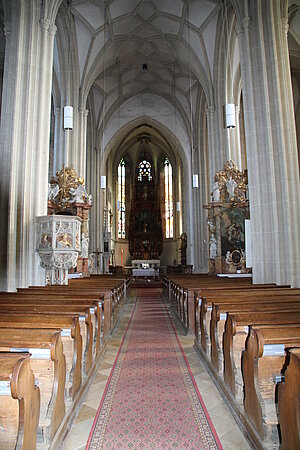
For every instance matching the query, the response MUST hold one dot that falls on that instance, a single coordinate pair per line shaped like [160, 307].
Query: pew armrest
[17, 368]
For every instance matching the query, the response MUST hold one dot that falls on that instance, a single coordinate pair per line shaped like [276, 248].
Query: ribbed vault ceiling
[116, 39]
[165, 47]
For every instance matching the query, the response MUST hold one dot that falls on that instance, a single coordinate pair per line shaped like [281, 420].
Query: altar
[145, 267]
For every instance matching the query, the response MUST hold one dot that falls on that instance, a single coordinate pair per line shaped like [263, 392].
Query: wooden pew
[254, 295]
[235, 334]
[273, 300]
[114, 290]
[259, 371]
[219, 315]
[288, 401]
[70, 325]
[31, 297]
[183, 289]
[15, 369]
[51, 376]
[36, 306]
[112, 294]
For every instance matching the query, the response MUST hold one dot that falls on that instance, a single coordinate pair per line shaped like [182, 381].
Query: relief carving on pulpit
[227, 212]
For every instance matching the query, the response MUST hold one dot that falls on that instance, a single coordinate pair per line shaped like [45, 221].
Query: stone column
[274, 187]
[58, 143]
[82, 124]
[213, 152]
[24, 140]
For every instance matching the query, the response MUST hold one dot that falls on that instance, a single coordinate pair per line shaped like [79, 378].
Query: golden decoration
[232, 183]
[67, 182]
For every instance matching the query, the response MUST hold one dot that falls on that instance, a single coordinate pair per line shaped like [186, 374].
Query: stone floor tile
[86, 412]
[235, 440]
[75, 440]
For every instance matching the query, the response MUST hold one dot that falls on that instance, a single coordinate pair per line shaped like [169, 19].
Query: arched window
[144, 170]
[121, 199]
[168, 198]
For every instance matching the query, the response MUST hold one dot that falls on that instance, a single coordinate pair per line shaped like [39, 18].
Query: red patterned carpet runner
[151, 400]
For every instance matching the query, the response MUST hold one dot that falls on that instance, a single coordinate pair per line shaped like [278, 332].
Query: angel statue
[79, 194]
[52, 191]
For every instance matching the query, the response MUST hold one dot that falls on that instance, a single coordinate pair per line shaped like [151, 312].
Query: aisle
[150, 400]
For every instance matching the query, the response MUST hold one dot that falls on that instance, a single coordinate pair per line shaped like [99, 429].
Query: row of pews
[51, 342]
[248, 337]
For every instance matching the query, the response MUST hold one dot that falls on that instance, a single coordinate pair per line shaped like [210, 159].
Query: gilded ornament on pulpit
[67, 188]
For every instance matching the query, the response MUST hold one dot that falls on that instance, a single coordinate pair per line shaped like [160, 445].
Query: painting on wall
[232, 230]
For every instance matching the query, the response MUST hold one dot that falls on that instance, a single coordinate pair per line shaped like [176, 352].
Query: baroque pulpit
[68, 196]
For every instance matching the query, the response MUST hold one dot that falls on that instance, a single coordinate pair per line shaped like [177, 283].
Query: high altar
[145, 228]
[227, 212]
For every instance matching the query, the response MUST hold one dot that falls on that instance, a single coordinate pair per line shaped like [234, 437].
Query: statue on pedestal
[230, 186]
[183, 246]
[216, 191]
[213, 247]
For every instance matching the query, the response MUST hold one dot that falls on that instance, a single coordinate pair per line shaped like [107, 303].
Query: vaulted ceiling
[165, 47]
[125, 47]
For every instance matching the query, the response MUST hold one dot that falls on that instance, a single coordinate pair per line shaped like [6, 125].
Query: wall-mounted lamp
[195, 181]
[230, 115]
[68, 117]
[103, 182]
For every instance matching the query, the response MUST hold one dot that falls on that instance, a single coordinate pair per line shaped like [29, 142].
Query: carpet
[151, 400]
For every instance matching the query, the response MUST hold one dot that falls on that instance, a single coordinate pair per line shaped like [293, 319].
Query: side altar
[227, 212]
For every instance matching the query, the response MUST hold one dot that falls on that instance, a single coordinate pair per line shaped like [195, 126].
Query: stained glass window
[168, 198]
[144, 170]
[121, 199]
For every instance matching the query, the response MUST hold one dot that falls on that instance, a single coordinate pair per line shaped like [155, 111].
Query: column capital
[52, 29]
[83, 111]
[45, 24]
[57, 111]
[243, 25]
[210, 110]
[285, 25]
[7, 28]
[246, 22]
[239, 29]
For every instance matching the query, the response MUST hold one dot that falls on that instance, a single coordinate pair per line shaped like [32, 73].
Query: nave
[228, 432]
[59, 344]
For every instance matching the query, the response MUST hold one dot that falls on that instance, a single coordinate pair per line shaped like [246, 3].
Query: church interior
[150, 222]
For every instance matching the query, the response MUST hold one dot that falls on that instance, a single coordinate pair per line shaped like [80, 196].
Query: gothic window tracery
[144, 170]
[168, 198]
[121, 199]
